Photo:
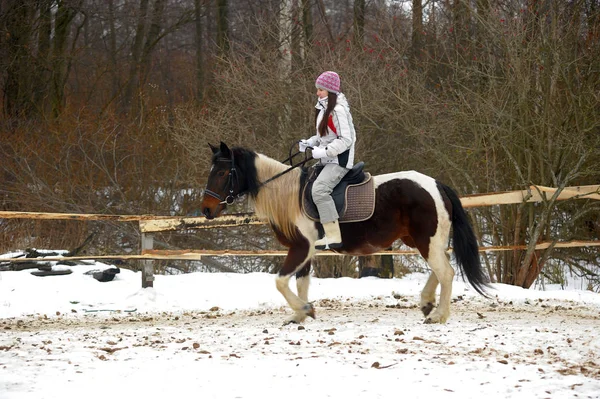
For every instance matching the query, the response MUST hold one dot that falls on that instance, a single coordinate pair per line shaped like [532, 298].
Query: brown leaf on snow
[376, 365]
[112, 350]
[429, 341]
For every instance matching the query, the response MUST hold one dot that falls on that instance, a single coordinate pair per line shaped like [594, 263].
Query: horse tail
[465, 245]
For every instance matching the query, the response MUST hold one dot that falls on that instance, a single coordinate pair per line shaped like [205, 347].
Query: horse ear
[213, 148]
[225, 150]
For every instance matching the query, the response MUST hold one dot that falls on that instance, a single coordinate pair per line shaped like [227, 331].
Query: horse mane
[278, 201]
[246, 161]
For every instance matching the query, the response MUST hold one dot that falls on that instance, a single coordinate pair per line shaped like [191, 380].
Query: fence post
[148, 269]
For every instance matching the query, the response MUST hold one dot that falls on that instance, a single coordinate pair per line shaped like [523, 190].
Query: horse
[409, 206]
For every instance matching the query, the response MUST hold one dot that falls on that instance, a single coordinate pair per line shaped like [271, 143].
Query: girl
[333, 145]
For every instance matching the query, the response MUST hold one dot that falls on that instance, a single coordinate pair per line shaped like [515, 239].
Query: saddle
[354, 196]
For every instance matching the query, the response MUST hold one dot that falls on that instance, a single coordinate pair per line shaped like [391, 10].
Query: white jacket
[339, 145]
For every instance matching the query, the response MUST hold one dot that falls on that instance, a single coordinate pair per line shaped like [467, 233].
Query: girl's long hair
[331, 103]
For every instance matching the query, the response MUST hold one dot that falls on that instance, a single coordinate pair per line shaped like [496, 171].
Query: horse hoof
[436, 318]
[309, 310]
[426, 309]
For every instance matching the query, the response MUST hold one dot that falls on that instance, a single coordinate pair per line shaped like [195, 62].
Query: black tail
[464, 242]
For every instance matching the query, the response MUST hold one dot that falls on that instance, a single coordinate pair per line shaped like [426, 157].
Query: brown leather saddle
[354, 196]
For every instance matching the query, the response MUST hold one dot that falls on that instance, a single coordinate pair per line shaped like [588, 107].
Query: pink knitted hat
[329, 81]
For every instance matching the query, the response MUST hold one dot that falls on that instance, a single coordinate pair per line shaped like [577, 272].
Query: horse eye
[221, 173]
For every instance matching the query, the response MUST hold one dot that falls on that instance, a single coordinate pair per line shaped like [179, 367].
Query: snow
[221, 336]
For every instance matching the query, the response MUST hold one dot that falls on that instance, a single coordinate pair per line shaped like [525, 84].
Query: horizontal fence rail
[78, 216]
[154, 224]
[533, 194]
[149, 224]
[198, 254]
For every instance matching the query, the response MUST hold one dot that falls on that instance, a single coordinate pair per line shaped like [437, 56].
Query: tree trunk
[199, 60]
[152, 38]
[112, 43]
[18, 63]
[417, 29]
[41, 89]
[359, 22]
[461, 26]
[65, 13]
[285, 63]
[222, 27]
[136, 52]
[307, 24]
[324, 19]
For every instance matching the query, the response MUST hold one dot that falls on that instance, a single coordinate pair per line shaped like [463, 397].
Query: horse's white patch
[419, 178]
[302, 285]
[308, 230]
[282, 283]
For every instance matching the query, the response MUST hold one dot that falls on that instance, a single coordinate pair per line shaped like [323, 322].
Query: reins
[285, 171]
[231, 197]
[290, 158]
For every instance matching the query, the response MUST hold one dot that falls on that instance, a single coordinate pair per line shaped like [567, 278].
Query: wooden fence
[149, 224]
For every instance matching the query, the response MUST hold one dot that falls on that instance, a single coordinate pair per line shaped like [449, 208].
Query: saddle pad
[358, 202]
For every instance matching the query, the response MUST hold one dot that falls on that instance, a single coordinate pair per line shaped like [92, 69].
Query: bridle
[230, 198]
[233, 171]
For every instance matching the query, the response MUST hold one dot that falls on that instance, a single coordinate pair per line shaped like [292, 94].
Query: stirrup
[327, 245]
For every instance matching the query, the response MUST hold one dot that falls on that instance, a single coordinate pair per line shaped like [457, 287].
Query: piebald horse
[409, 206]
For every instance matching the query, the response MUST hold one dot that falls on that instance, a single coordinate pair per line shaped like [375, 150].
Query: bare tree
[223, 26]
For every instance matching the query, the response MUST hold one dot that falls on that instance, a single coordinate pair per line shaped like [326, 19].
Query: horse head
[223, 183]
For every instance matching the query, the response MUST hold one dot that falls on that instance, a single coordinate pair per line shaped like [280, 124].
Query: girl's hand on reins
[303, 145]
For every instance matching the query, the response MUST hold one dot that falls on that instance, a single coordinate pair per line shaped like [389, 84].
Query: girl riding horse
[409, 206]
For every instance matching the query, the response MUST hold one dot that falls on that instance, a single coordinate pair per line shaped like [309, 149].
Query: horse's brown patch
[403, 210]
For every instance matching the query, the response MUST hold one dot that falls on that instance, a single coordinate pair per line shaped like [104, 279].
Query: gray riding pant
[323, 187]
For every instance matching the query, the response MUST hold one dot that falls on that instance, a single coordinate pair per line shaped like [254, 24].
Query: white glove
[303, 145]
[319, 152]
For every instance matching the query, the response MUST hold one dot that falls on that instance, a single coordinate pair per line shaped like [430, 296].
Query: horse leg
[298, 258]
[444, 273]
[428, 294]
[303, 281]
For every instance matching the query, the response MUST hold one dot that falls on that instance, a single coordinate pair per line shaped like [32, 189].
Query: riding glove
[319, 152]
[303, 145]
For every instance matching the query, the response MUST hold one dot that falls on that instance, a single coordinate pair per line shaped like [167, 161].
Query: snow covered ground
[221, 336]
